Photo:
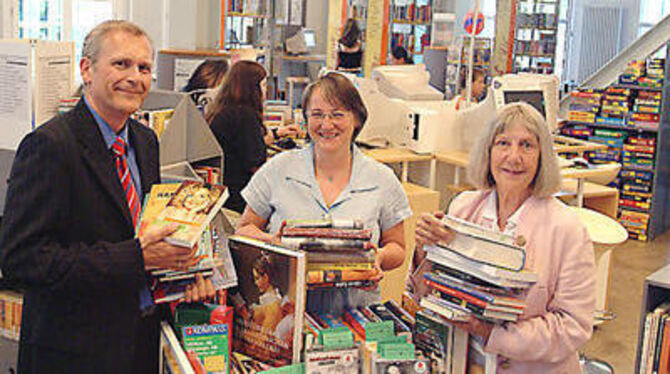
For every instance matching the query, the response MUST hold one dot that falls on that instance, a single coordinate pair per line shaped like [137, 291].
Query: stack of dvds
[646, 110]
[614, 108]
[636, 223]
[633, 72]
[654, 75]
[339, 252]
[614, 139]
[479, 272]
[638, 154]
[584, 105]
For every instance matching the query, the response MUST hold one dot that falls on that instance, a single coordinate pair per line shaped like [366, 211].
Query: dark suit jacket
[67, 239]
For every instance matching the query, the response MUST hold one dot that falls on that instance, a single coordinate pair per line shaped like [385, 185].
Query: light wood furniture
[421, 200]
[399, 155]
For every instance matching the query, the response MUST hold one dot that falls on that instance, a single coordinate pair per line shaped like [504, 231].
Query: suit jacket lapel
[143, 162]
[98, 157]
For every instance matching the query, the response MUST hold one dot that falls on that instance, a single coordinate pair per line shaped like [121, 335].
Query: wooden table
[565, 144]
[401, 156]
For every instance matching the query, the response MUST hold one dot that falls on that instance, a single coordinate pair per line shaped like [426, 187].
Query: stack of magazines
[480, 273]
[193, 206]
[339, 252]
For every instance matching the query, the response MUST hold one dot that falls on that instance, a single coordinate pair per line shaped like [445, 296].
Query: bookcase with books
[245, 23]
[536, 34]
[457, 61]
[410, 23]
[628, 117]
[653, 348]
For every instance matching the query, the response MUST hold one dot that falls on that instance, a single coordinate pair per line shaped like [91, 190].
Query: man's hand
[158, 253]
[200, 290]
[430, 230]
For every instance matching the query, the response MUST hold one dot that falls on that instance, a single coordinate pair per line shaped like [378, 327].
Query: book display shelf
[536, 34]
[654, 330]
[410, 23]
[628, 117]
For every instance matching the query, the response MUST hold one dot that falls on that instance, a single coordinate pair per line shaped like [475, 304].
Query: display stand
[187, 141]
[656, 290]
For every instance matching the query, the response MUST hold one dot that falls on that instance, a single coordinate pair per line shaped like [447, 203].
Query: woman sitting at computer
[478, 83]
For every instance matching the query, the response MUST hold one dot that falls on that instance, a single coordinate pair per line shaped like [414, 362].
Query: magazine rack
[187, 140]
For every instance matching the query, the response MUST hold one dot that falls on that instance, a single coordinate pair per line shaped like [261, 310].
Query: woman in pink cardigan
[516, 172]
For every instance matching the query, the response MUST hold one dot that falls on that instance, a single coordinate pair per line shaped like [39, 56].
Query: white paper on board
[54, 77]
[15, 92]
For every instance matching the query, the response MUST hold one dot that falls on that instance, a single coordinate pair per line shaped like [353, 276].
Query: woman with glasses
[331, 177]
[516, 171]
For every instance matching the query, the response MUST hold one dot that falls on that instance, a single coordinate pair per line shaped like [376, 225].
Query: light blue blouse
[286, 188]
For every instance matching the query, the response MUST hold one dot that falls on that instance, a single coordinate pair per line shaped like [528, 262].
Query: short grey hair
[93, 40]
[547, 180]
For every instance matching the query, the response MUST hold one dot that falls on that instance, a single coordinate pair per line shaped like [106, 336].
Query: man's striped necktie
[129, 191]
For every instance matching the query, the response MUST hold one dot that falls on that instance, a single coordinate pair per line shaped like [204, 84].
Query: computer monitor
[310, 39]
[406, 82]
[538, 90]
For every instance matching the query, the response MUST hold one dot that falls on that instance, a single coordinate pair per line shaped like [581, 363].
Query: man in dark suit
[67, 234]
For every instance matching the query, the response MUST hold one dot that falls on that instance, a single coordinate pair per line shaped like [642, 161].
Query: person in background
[350, 48]
[208, 74]
[330, 177]
[68, 233]
[399, 56]
[236, 119]
[478, 92]
[516, 171]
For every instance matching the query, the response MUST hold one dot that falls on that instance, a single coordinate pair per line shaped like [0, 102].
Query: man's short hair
[93, 40]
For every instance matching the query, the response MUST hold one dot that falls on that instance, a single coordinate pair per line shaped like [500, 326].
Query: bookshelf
[457, 60]
[245, 23]
[410, 23]
[536, 34]
[656, 290]
[630, 119]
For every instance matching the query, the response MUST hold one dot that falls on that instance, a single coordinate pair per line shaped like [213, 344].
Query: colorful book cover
[269, 301]
[210, 344]
[192, 207]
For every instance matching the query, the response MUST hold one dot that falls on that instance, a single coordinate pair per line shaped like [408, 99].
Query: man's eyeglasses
[337, 116]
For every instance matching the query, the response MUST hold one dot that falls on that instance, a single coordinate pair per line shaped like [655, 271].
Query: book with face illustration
[192, 208]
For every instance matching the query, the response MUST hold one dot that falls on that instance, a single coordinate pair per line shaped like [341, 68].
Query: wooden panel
[421, 200]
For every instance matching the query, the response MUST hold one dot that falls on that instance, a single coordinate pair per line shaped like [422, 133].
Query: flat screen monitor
[534, 98]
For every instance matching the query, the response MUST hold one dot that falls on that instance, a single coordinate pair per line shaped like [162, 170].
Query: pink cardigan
[558, 318]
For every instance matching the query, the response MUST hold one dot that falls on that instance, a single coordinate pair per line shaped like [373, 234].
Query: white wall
[317, 19]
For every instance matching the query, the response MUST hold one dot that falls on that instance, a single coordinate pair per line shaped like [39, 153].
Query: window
[651, 11]
[42, 19]
[488, 10]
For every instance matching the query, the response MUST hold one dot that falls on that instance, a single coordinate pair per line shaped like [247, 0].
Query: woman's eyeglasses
[336, 116]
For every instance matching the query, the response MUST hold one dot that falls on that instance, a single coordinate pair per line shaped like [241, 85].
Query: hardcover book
[269, 301]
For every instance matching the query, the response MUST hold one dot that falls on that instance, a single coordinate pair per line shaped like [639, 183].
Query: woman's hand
[289, 130]
[475, 326]
[430, 230]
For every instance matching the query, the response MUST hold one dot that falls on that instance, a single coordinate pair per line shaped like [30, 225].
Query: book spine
[325, 276]
[457, 294]
[381, 311]
[346, 284]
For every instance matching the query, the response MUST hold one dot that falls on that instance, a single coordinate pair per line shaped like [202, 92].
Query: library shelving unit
[410, 23]
[634, 121]
[656, 291]
[457, 60]
[245, 23]
[535, 34]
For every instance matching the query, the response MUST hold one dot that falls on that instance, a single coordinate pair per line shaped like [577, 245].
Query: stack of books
[339, 253]
[192, 206]
[479, 272]
[614, 108]
[614, 139]
[11, 308]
